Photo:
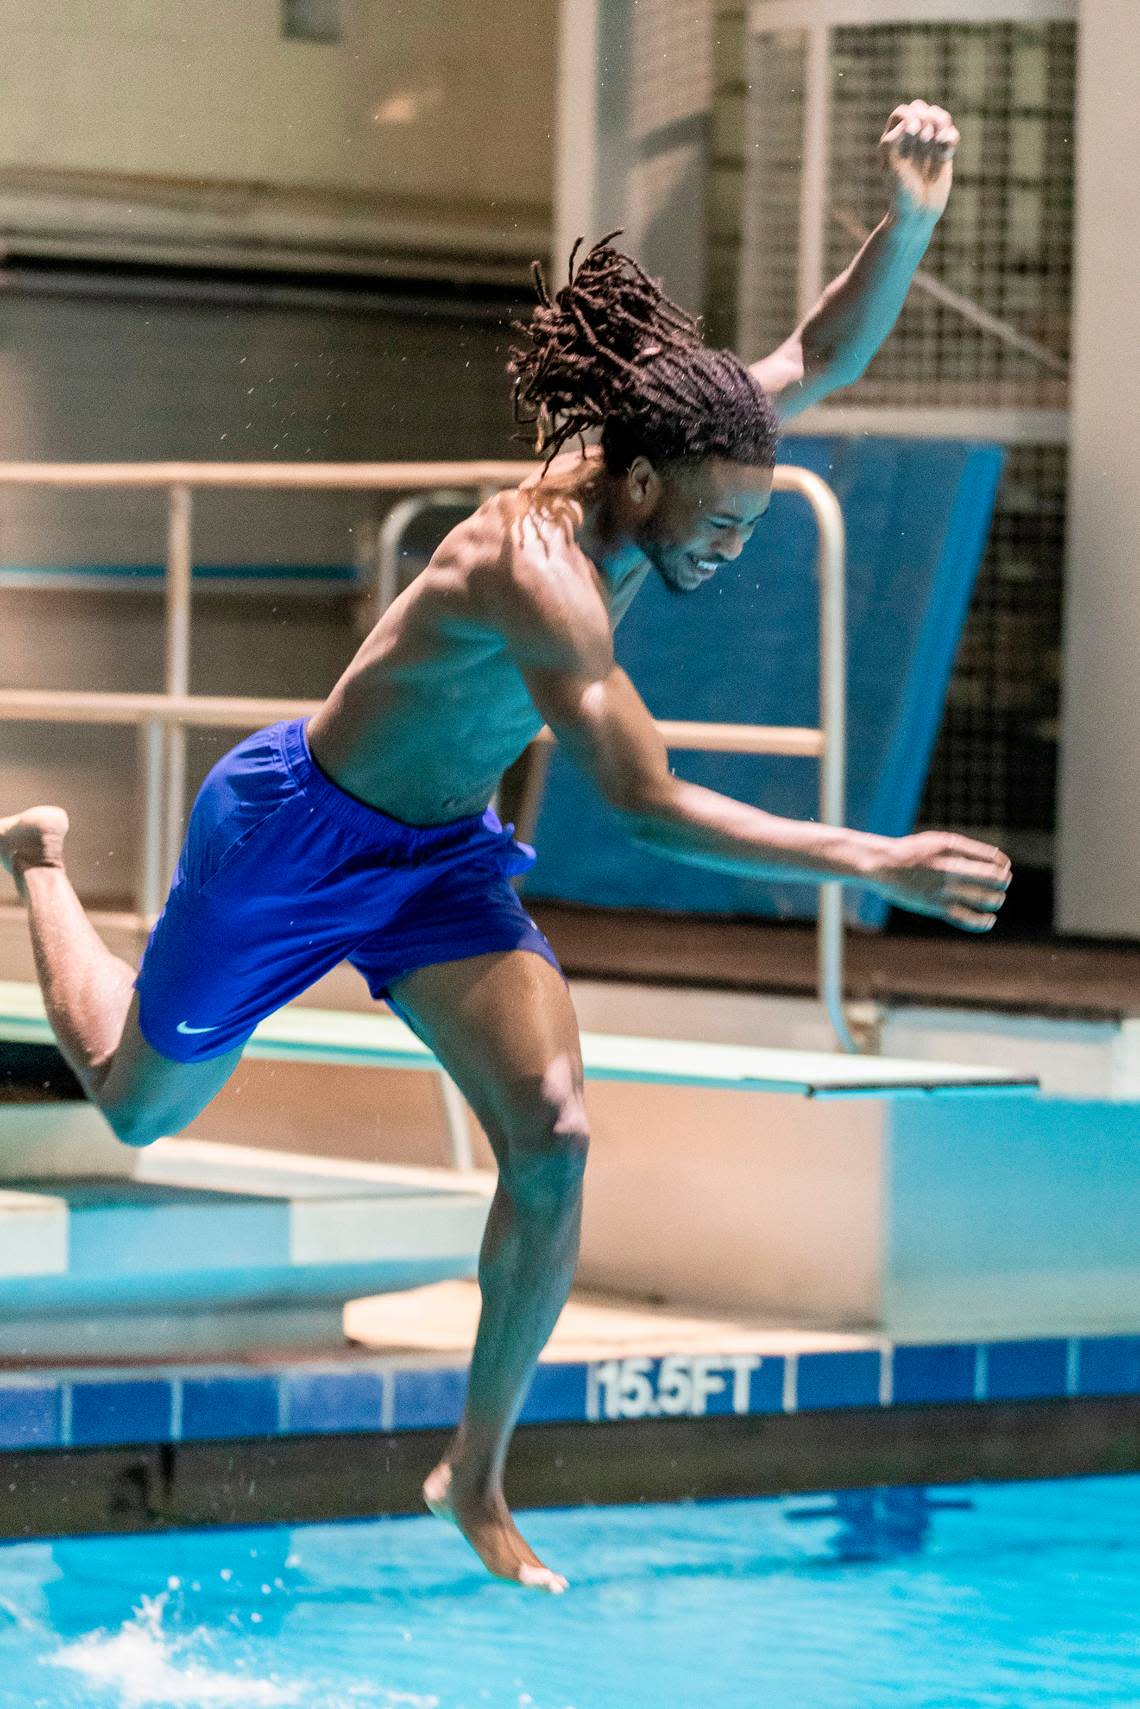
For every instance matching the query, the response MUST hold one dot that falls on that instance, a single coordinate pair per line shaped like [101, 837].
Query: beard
[676, 589]
[669, 565]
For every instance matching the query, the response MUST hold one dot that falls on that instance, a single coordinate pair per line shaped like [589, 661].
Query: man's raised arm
[834, 344]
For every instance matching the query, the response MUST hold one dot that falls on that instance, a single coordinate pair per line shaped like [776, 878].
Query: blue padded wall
[744, 649]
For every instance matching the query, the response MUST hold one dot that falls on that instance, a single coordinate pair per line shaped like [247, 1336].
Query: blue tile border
[686, 1385]
[47, 1409]
[428, 1399]
[31, 1415]
[220, 1407]
[121, 1410]
[825, 1380]
[1026, 1370]
[931, 1374]
[1108, 1364]
[320, 1403]
[557, 1395]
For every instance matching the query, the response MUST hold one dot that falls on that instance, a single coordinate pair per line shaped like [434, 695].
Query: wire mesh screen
[1005, 247]
[995, 765]
[724, 196]
[1005, 242]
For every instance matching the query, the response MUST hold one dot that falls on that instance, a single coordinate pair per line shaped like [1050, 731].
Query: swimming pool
[1021, 1596]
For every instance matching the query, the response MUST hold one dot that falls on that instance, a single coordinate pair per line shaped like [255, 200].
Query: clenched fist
[918, 150]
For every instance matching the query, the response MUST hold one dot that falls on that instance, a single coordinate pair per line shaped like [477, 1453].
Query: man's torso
[434, 707]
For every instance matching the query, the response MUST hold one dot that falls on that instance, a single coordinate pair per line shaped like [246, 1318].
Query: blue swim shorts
[283, 875]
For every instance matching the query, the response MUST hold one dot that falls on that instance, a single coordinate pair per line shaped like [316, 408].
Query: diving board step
[33, 1234]
[191, 1246]
[345, 1038]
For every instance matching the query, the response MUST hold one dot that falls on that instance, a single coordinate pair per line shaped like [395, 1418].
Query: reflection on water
[878, 1524]
[246, 1584]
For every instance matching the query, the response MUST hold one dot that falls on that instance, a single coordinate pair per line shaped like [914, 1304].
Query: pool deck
[404, 1369]
[439, 1323]
[630, 1402]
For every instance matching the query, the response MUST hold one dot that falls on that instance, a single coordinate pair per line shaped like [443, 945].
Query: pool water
[1016, 1596]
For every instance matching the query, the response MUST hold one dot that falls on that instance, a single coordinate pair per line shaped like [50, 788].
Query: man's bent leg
[504, 1028]
[89, 996]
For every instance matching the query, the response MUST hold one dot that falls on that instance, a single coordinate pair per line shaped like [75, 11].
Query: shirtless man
[367, 835]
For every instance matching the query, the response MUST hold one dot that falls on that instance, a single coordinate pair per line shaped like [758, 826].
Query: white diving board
[346, 1038]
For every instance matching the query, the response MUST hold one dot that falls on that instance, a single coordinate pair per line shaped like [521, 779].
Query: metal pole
[247, 712]
[538, 758]
[833, 723]
[815, 148]
[392, 530]
[179, 566]
[273, 477]
[164, 713]
[151, 874]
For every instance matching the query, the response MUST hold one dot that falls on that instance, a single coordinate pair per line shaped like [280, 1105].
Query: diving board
[790, 1202]
[348, 1039]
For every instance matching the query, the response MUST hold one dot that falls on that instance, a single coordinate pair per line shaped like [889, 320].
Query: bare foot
[32, 838]
[486, 1523]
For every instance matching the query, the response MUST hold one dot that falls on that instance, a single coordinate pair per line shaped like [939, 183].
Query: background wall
[636, 82]
[131, 375]
[211, 105]
[91, 379]
[223, 242]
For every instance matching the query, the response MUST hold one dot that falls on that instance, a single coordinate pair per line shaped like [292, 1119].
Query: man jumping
[365, 835]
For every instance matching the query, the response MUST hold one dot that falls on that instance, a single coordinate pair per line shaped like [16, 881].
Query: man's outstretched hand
[918, 151]
[951, 877]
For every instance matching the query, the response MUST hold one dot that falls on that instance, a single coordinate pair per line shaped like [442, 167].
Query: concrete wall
[427, 99]
[1008, 1215]
[634, 99]
[125, 377]
[1098, 873]
[760, 1203]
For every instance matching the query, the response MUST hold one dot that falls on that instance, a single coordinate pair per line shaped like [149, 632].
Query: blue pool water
[996, 1597]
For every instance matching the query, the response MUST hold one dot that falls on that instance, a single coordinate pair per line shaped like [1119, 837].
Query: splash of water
[149, 1668]
[20, 1617]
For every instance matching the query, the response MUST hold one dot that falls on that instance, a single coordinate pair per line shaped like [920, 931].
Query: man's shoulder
[533, 579]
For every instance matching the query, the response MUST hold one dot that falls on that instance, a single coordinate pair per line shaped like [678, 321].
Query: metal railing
[164, 718]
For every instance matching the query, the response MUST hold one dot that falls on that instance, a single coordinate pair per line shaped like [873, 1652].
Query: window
[311, 20]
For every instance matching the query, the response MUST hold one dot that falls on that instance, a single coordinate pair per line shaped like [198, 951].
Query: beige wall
[103, 379]
[1099, 874]
[440, 98]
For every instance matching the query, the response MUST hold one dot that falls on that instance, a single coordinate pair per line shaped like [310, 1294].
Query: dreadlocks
[611, 351]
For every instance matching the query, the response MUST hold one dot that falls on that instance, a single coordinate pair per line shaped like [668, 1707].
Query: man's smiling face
[703, 518]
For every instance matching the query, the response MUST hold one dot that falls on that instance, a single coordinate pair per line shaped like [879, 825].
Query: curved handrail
[166, 716]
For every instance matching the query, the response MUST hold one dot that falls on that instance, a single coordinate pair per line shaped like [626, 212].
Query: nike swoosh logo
[183, 1028]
